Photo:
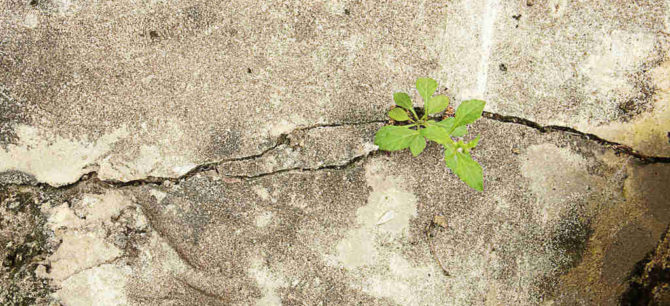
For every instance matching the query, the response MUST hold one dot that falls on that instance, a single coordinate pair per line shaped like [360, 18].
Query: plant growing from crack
[413, 135]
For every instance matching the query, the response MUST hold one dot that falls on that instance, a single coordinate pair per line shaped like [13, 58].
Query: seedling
[414, 135]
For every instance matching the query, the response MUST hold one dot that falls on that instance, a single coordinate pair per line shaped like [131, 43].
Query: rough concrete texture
[220, 153]
[650, 285]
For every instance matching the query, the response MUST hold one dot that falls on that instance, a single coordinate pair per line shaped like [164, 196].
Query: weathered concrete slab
[597, 66]
[562, 220]
[137, 89]
[245, 131]
[132, 90]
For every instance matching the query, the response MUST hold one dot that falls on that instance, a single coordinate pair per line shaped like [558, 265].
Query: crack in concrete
[209, 166]
[106, 262]
[341, 166]
[617, 147]
[283, 139]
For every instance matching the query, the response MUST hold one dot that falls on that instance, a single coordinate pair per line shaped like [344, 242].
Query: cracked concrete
[221, 153]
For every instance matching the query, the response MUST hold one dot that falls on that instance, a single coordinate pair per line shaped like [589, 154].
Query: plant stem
[415, 115]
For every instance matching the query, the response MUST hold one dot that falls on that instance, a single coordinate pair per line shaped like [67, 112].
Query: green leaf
[403, 100]
[473, 143]
[398, 114]
[436, 134]
[446, 123]
[450, 156]
[417, 145]
[394, 138]
[426, 88]
[468, 112]
[437, 104]
[467, 169]
[460, 131]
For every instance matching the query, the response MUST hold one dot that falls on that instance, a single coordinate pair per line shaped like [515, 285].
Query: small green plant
[414, 135]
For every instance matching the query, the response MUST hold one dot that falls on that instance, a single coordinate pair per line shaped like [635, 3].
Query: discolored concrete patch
[23, 245]
[624, 234]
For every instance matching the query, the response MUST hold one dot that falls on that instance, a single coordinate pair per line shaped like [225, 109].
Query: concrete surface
[220, 153]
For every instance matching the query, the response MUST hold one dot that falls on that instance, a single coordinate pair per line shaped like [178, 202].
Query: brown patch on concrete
[629, 244]
[650, 283]
[23, 245]
[625, 231]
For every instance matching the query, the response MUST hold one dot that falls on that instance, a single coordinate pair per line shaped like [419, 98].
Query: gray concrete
[218, 153]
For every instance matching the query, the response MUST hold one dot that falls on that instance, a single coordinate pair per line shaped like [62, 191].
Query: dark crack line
[329, 125]
[345, 165]
[210, 166]
[617, 147]
[105, 262]
[281, 140]
[155, 180]
[620, 149]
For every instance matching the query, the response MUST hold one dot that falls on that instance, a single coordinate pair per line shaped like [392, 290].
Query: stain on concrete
[647, 131]
[650, 281]
[630, 244]
[624, 232]
[23, 247]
